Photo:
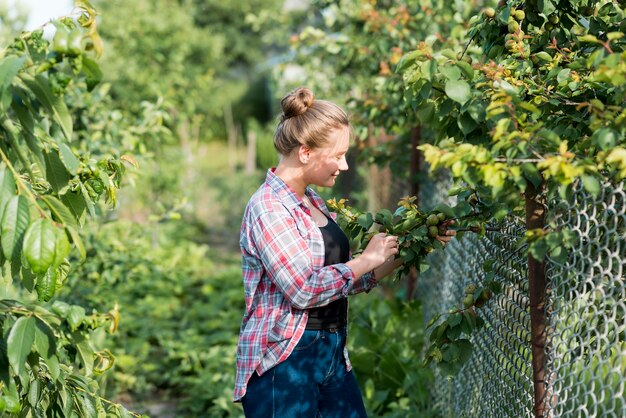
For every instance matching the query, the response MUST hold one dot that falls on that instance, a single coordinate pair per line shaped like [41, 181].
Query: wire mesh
[587, 308]
[586, 353]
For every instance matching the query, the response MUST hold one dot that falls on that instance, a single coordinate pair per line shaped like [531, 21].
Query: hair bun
[296, 103]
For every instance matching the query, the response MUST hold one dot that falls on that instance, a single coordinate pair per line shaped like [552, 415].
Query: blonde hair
[306, 121]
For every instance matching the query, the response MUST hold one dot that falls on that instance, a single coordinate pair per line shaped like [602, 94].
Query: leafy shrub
[180, 307]
[386, 342]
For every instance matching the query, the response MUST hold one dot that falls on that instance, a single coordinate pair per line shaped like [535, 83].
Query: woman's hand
[444, 239]
[381, 248]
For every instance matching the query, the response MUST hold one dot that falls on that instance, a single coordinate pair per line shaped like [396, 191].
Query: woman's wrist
[361, 265]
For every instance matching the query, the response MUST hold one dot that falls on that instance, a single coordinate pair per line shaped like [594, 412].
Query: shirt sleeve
[288, 261]
[365, 283]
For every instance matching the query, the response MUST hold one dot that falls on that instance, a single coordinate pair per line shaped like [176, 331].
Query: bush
[386, 342]
[180, 308]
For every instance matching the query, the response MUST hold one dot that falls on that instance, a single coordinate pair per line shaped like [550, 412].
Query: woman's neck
[292, 175]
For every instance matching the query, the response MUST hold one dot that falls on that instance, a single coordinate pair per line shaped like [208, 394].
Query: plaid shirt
[283, 275]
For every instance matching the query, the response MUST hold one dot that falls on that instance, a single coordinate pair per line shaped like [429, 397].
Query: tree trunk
[537, 283]
[379, 185]
[184, 136]
[232, 137]
[251, 155]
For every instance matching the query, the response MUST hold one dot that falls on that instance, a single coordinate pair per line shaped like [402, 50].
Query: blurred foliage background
[188, 94]
[190, 89]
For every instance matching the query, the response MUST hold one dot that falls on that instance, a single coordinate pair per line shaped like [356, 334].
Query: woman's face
[325, 163]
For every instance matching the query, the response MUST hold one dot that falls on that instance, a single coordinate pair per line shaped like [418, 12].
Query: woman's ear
[304, 154]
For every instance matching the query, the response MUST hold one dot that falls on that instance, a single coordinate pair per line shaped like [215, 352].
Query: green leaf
[46, 285]
[458, 90]
[538, 249]
[55, 105]
[443, 208]
[75, 202]
[450, 72]
[365, 221]
[546, 7]
[15, 220]
[93, 73]
[87, 199]
[45, 345]
[455, 319]
[532, 174]
[60, 212]
[7, 187]
[86, 355]
[9, 67]
[25, 117]
[466, 123]
[75, 316]
[544, 56]
[56, 173]
[39, 245]
[530, 107]
[426, 112]
[563, 75]
[28, 278]
[62, 247]
[78, 242]
[467, 69]
[476, 110]
[503, 16]
[465, 350]
[69, 159]
[591, 184]
[20, 342]
[605, 138]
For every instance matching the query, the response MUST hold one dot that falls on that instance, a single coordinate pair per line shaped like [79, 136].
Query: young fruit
[490, 12]
[513, 26]
[519, 15]
[470, 288]
[468, 300]
[484, 296]
[432, 220]
[433, 231]
[441, 216]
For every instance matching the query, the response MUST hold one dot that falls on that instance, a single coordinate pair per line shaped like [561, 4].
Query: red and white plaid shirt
[283, 275]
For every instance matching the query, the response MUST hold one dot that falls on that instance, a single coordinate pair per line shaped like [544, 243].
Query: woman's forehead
[339, 139]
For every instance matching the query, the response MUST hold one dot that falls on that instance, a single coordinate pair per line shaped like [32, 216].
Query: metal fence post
[535, 218]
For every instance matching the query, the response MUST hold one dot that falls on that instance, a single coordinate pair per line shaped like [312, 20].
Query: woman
[298, 273]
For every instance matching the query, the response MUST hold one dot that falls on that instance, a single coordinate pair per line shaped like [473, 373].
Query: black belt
[330, 327]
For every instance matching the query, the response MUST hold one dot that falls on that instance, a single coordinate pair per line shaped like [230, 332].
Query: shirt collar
[288, 196]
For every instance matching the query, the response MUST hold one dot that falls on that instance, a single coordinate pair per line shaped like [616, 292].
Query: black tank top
[336, 250]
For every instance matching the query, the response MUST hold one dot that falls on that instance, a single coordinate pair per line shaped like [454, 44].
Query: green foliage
[385, 340]
[518, 97]
[543, 102]
[49, 362]
[198, 56]
[349, 53]
[417, 231]
[49, 182]
[180, 305]
[266, 154]
[450, 345]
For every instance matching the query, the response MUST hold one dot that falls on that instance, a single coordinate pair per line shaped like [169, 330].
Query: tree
[50, 184]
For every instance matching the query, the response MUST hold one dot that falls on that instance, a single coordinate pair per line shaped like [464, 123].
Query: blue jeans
[311, 383]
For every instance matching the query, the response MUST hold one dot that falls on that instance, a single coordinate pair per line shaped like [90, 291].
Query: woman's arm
[388, 267]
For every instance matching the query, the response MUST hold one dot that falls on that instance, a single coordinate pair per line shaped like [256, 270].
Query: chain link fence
[586, 306]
